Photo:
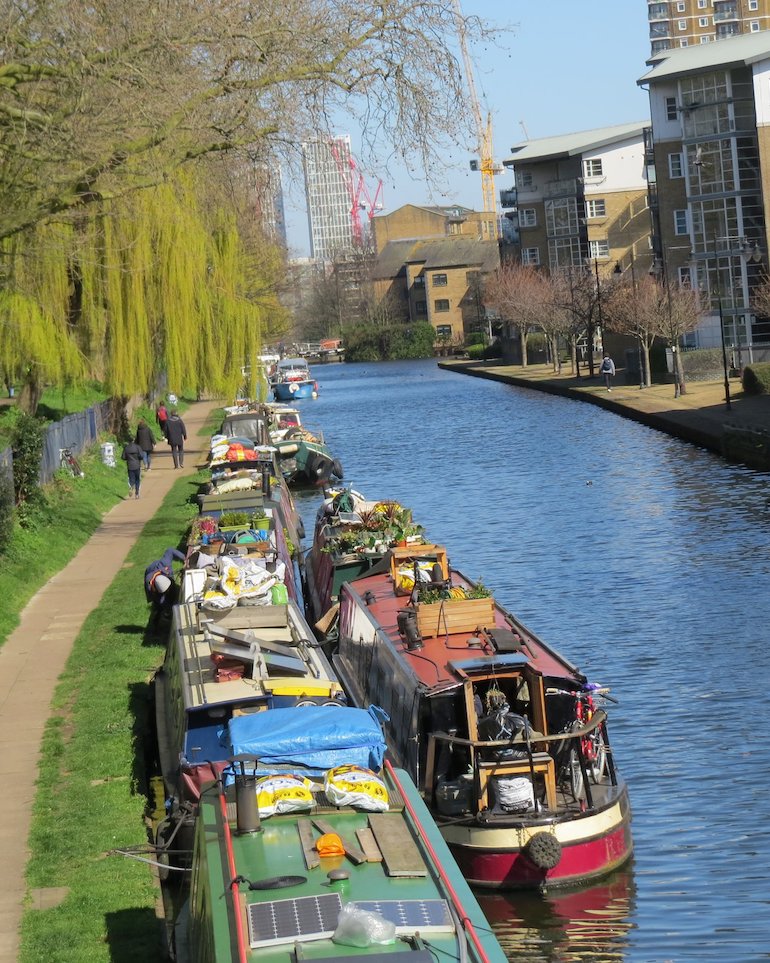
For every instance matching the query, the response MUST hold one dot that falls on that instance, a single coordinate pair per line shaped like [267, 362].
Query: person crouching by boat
[146, 441]
[159, 586]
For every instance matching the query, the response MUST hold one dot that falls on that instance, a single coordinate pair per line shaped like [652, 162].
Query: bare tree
[520, 295]
[681, 314]
[634, 307]
[576, 296]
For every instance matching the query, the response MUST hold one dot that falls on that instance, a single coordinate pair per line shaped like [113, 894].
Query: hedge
[756, 378]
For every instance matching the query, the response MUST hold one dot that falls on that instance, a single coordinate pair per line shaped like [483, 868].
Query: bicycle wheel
[74, 466]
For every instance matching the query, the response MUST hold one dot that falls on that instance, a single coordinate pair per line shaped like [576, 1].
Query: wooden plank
[354, 854]
[305, 830]
[369, 845]
[399, 850]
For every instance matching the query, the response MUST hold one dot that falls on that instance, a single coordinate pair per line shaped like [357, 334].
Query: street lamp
[598, 306]
[728, 403]
[619, 271]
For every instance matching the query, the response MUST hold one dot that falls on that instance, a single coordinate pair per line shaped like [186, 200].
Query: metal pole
[598, 305]
[636, 320]
[728, 403]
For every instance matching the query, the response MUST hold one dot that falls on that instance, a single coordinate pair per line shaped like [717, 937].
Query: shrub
[6, 507]
[475, 352]
[702, 364]
[537, 341]
[27, 438]
[231, 519]
[756, 378]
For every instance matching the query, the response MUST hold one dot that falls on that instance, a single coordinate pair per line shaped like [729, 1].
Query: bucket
[108, 454]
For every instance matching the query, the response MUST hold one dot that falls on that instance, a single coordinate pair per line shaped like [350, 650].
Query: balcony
[661, 30]
[563, 188]
[728, 11]
[658, 11]
[509, 197]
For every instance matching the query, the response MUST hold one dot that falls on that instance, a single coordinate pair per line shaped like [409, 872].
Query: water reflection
[580, 925]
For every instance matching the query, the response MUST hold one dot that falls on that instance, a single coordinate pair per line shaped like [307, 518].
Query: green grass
[92, 789]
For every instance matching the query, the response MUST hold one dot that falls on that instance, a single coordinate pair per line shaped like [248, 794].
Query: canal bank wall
[700, 416]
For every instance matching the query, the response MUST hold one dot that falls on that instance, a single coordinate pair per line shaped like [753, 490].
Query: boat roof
[285, 663]
[292, 363]
[396, 877]
[445, 659]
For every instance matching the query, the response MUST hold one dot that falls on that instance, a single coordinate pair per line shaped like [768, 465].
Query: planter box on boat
[454, 615]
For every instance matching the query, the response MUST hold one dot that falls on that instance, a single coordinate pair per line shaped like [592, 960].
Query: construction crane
[485, 163]
[358, 192]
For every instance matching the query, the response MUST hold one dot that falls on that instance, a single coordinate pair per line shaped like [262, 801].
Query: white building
[326, 165]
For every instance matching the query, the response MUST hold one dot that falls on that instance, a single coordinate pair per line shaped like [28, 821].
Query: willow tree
[100, 99]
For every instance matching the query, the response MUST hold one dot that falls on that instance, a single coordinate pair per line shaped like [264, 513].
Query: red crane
[358, 192]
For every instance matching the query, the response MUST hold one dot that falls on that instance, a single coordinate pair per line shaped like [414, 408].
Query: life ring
[293, 387]
[544, 850]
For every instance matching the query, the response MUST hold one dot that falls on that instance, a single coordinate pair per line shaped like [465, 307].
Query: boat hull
[291, 390]
[591, 846]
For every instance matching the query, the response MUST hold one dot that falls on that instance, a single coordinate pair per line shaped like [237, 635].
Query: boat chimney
[408, 629]
[246, 810]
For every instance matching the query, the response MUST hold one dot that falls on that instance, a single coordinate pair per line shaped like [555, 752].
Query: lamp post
[728, 403]
[598, 306]
[619, 270]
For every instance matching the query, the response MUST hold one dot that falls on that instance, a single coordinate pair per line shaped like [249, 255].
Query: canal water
[647, 562]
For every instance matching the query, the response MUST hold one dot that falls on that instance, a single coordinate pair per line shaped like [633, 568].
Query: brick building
[687, 23]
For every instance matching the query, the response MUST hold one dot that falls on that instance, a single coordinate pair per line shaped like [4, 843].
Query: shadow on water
[134, 934]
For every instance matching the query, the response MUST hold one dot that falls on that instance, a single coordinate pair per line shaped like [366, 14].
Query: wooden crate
[454, 615]
[401, 556]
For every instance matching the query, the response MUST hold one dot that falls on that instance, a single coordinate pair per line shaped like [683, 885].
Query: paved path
[34, 656]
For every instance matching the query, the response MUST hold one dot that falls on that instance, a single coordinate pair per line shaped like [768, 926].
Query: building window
[753, 4]
[441, 304]
[530, 255]
[702, 4]
[524, 178]
[684, 43]
[703, 21]
[593, 167]
[671, 108]
[705, 39]
[675, 165]
[685, 277]
[599, 249]
[681, 7]
[596, 208]
[680, 222]
[438, 280]
[754, 26]
[421, 307]
[443, 330]
[527, 217]
[682, 24]
[561, 216]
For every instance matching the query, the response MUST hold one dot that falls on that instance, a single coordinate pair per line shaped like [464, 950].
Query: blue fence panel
[75, 432]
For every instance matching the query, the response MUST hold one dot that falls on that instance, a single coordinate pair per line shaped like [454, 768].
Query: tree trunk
[647, 373]
[573, 351]
[554, 342]
[31, 391]
[523, 344]
[119, 418]
[680, 388]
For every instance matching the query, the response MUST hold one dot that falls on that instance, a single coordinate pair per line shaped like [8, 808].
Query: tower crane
[485, 163]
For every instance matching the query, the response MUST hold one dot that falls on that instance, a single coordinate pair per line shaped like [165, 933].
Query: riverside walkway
[34, 656]
[700, 416]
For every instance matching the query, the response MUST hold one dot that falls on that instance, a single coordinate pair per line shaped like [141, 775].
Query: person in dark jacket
[146, 441]
[176, 433]
[159, 585]
[133, 456]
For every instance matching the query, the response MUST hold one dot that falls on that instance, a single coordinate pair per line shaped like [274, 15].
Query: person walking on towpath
[146, 441]
[133, 456]
[162, 415]
[607, 370]
[176, 433]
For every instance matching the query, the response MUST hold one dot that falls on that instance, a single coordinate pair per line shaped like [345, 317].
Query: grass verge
[93, 784]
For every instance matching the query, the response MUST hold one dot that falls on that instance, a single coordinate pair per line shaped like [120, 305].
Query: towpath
[34, 656]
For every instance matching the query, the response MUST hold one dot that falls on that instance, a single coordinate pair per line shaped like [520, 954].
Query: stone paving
[35, 654]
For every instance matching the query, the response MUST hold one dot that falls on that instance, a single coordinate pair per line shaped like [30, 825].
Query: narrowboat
[303, 456]
[336, 879]
[351, 536]
[506, 739]
[292, 380]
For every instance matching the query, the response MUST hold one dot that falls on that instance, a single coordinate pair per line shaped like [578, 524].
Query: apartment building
[416, 221]
[581, 198]
[687, 23]
[708, 154]
[325, 163]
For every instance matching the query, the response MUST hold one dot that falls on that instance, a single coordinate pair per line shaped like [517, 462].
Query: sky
[567, 65]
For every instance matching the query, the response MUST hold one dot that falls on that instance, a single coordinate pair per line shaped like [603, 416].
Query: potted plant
[232, 521]
[260, 520]
[202, 529]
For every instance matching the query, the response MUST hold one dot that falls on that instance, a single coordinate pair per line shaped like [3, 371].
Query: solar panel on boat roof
[287, 920]
[412, 915]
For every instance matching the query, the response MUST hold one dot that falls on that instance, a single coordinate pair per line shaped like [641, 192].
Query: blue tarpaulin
[315, 737]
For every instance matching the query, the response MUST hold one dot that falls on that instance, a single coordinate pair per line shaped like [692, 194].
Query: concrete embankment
[700, 416]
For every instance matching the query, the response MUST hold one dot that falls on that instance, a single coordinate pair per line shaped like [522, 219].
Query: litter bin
[108, 454]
